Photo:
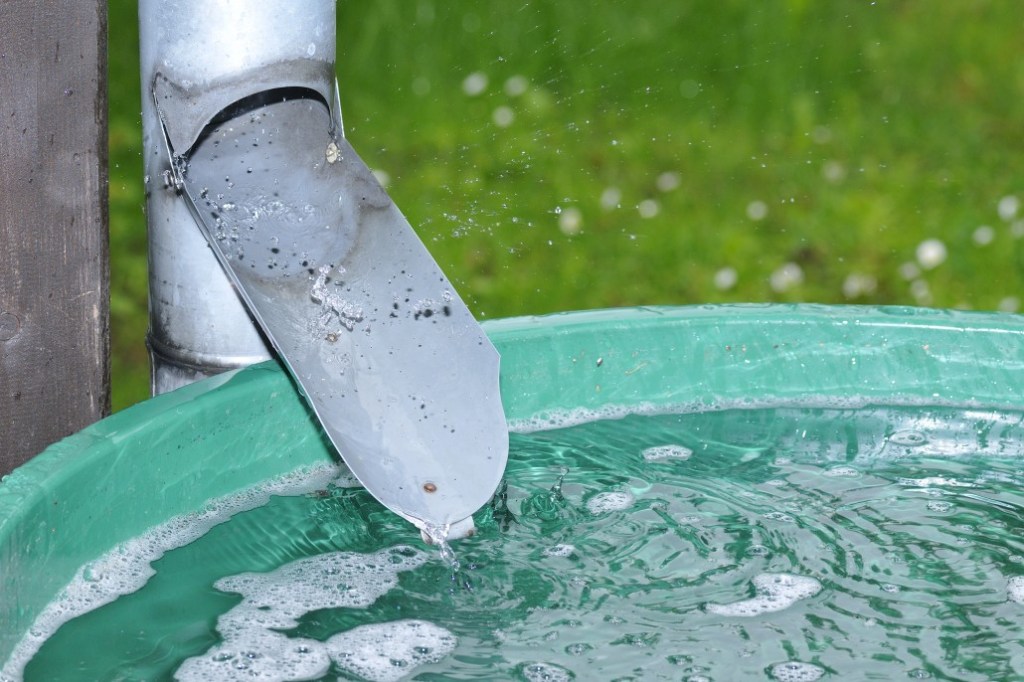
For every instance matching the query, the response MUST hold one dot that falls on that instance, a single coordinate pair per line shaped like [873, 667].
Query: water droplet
[516, 86]
[983, 235]
[333, 153]
[648, 208]
[833, 172]
[725, 278]
[668, 181]
[503, 116]
[1008, 207]
[474, 84]
[931, 253]
[610, 198]
[570, 221]
[859, 284]
[757, 210]
[787, 276]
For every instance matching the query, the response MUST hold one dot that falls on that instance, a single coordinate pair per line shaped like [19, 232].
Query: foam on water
[562, 550]
[253, 646]
[932, 481]
[386, 652]
[610, 501]
[1015, 589]
[127, 567]
[701, 519]
[565, 418]
[662, 452]
[796, 671]
[546, 672]
[773, 592]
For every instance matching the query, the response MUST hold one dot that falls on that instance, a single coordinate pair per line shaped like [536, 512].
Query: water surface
[785, 544]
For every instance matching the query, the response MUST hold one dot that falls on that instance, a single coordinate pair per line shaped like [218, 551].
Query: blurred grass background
[593, 153]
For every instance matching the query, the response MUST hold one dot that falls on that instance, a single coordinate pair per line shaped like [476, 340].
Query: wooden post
[54, 297]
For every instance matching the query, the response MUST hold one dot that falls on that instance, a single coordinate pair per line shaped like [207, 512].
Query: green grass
[863, 128]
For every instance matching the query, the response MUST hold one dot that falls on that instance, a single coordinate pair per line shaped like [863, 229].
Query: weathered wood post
[54, 339]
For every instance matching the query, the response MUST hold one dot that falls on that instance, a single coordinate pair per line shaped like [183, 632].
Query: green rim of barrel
[168, 456]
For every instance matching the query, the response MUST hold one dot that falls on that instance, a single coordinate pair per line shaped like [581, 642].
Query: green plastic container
[169, 455]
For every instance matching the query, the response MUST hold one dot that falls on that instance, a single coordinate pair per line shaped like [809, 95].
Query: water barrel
[167, 456]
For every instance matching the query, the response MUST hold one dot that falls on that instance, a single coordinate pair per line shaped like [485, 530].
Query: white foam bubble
[610, 501]
[661, 452]
[323, 581]
[253, 645]
[560, 551]
[546, 672]
[548, 420]
[127, 567]
[1015, 589]
[560, 419]
[773, 592]
[796, 671]
[933, 481]
[266, 656]
[386, 652]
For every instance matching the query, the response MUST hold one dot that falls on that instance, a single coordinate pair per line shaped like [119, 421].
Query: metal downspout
[198, 325]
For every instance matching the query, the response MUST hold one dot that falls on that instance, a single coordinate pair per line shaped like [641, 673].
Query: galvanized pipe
[211, 54]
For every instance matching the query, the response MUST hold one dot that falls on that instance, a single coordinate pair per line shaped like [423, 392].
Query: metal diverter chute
[390, 359]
